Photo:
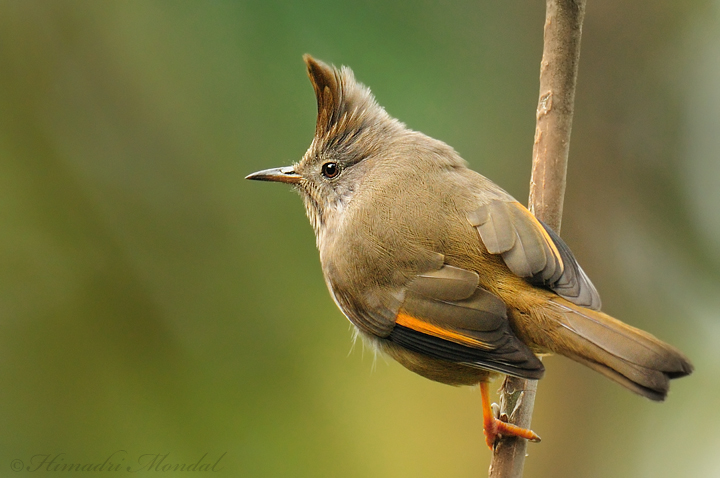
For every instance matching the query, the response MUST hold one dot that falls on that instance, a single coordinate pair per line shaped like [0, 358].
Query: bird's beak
[280, 175]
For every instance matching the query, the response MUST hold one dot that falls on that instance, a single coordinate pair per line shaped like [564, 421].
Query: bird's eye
[330, 170]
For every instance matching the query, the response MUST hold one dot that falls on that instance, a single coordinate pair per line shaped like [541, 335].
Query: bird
[441, 269]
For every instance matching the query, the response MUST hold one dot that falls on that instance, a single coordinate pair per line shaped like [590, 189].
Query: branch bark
[558, 76]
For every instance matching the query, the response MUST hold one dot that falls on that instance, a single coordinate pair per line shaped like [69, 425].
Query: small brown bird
[441, 269]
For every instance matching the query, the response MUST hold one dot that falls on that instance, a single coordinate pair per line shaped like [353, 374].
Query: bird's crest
[347, 110]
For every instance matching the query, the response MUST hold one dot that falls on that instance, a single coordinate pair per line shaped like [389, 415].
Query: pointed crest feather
[346, 108]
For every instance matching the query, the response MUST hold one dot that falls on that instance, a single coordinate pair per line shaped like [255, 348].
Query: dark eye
[330, 170]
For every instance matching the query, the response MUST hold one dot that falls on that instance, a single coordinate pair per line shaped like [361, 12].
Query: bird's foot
[493, 427]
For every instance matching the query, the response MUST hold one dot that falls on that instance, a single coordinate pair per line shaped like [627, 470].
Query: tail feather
[633, 358]
[657, 394]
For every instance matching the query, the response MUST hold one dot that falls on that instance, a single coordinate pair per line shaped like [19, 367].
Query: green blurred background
[153, 301]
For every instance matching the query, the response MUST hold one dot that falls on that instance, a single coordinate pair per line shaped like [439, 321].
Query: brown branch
[558, 75]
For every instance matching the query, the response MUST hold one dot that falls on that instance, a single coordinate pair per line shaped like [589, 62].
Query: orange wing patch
[429, 329]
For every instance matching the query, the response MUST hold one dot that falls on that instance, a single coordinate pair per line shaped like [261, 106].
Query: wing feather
[439, 319]
[536, 253]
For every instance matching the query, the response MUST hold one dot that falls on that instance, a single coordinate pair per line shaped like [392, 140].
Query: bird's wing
[445, 315]
[533, 251]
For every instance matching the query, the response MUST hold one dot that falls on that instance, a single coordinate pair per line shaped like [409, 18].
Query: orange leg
[494, 427]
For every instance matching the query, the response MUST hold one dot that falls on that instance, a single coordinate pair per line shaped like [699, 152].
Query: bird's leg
[493, 426]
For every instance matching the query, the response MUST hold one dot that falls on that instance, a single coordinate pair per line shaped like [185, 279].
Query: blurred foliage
[154, 302]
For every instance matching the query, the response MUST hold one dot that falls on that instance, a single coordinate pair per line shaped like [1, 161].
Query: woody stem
[558, 76]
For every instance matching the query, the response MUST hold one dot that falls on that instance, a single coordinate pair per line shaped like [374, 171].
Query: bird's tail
[633, 358]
